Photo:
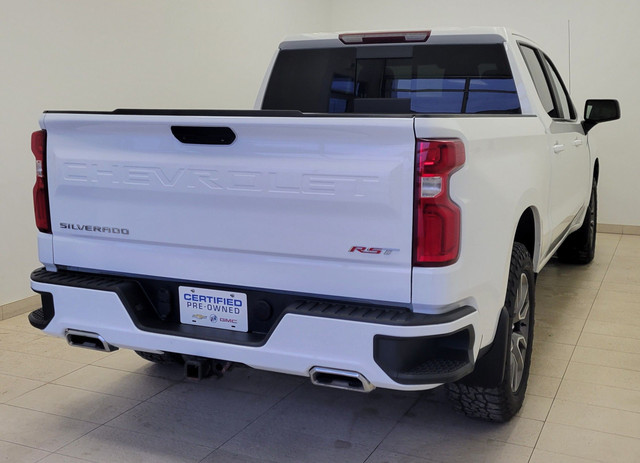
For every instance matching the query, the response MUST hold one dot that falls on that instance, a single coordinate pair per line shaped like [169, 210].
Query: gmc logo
[366, 250]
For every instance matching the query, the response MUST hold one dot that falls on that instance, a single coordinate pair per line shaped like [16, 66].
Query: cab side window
[551, 90]
[540, 80]
[560, 91]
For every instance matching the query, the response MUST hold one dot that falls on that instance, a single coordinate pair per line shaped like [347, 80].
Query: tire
[502, 402]
[165, 358]
[580, 246]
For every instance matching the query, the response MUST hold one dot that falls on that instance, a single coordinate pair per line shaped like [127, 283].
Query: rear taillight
[40, 196]
[437, 221]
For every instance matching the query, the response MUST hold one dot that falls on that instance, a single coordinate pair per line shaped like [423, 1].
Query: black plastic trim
[189, 112]
[490, 367]
[277, 113]
[41, 317]
[380, 315]
[428, 359]
[203, 135]
[137, 297]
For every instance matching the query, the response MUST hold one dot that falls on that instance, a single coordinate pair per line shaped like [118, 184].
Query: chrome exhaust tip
[88, 340]
[340, 379]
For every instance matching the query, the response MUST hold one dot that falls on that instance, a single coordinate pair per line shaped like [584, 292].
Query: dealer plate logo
[213, 308]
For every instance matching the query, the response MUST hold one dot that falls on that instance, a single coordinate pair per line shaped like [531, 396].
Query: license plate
[214, 309]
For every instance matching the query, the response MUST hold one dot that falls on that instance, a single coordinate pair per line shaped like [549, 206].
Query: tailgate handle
[203, 135]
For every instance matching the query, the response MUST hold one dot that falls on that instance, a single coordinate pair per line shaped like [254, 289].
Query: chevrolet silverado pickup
[378, 220]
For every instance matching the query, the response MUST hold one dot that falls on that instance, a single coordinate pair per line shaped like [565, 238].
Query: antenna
[569, 39]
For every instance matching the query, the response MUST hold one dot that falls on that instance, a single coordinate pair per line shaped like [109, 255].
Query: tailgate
[318, 205]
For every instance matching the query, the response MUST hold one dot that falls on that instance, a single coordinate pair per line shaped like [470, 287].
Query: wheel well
[526, 232]
[596, 171]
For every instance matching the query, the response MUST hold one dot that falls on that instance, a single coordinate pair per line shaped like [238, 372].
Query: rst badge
[375, 251]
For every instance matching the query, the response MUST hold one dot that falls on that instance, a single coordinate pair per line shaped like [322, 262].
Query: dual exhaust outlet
[197, 368]
[88, 340]
[340, 379]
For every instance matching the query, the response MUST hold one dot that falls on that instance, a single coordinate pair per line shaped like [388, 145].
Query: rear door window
[562, 96]
[424, 79]
[540, 80]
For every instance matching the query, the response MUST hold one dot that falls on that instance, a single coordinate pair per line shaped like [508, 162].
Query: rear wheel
[580, 247]
[502, 402]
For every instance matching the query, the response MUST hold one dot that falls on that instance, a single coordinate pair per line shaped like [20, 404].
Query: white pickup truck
[377, 221]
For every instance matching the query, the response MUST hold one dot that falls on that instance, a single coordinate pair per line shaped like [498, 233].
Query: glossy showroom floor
[63, 404]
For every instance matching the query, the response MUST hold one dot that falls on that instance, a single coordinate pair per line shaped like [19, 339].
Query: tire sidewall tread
[500, 403]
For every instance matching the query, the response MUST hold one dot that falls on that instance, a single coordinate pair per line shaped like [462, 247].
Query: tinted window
[427, 79]
[539, 80]
[567, 108]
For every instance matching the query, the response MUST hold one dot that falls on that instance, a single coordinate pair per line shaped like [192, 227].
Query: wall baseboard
[19, 307]
[619, 229]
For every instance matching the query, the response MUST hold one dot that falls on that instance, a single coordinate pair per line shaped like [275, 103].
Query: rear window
[423, 79]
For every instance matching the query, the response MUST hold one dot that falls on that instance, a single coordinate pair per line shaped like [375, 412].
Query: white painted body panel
[280, 208]
[505, 173]
[298, 344]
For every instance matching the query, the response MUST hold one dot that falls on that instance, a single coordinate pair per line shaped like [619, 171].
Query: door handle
[557, 148]
[577, 142]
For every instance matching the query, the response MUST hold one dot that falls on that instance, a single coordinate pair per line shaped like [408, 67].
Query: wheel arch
[528, 232]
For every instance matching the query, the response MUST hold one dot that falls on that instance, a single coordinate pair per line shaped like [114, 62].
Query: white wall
[97, 54]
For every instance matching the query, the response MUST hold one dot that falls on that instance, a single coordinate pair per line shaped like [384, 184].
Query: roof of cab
[443, 35]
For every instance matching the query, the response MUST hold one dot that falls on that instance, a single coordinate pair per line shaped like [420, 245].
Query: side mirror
[596, 111]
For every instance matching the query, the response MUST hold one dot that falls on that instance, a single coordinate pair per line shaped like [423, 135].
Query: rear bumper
[391, 347]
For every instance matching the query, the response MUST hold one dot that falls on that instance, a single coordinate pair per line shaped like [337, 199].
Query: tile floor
[60, 404]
